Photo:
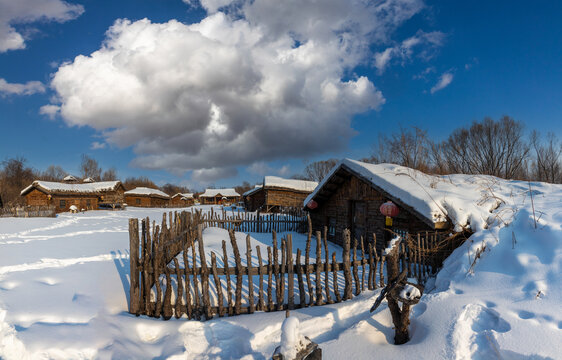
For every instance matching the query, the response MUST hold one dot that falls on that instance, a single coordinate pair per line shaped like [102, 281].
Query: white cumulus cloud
[17, 12]
[29, 88]
[261, 80]
[444, 80]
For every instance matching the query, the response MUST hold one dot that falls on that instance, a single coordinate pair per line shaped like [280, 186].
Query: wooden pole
[251, 305]
[302, 295]
[134, 303]
[347, 293]
[261, 302]
[239, 272]
[290, 275]
[228, 284]
[335, 270]
[318, 280]
[218, 284]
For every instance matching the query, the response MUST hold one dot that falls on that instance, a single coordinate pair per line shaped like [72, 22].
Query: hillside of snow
[64, 288]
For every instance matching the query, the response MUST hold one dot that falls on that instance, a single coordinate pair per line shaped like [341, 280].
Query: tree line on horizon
[500, 148]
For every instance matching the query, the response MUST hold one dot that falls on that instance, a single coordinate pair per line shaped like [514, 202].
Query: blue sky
[176, 114]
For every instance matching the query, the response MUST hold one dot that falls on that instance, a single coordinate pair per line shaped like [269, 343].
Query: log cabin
[351, 195]
[62, 195]
[182, 200]
[277, 194]
[219, 197]
[146, 197]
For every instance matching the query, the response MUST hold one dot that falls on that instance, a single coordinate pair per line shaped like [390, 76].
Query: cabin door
[358, 220]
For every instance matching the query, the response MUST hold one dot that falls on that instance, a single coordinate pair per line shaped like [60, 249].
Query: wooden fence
[255, 222]
[28, 211]
[172, 276]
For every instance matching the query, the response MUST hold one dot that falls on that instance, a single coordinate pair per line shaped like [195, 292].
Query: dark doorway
[358, 220]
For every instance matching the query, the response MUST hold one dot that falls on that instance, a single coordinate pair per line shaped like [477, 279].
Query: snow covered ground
[64, 288]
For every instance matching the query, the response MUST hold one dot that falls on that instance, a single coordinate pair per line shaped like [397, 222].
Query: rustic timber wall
[338, 207]
[146, 201]
[255, 201]
[28, 211]
[164, 284]
[85, 201]
[279, 198]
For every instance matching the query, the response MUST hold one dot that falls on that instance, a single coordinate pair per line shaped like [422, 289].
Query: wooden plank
[363, 265]
[355, 270]
[381, 271]
[196, 297]
[143, 280]
[251, 304]
[239, 272]
[302, 295]
[146, 265]
[282, 269]
[218, 285]
[178, 312]
[317, 279]
[228, 283]
[269, 280]
[134, 291]
[167, 303]
[157, 266]
[347, 293]
[204, 274]
[371, 266]
[326, 266]
[290, 275]
[188, 307]
[307, 263]
[335, 270]
[276, 271]
[261, 301]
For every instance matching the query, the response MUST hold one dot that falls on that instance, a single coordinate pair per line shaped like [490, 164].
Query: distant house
[182, 200]
[351, 195]
[278, 193]
[62, 195]
[219, 197]
[147, 197]
[70, 179]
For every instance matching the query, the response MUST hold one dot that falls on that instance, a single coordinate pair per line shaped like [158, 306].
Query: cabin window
[137, 201]
[332, 226]
[62, 204]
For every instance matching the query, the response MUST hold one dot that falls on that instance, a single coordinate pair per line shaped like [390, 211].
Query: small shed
[182, 200]
[89, 196]
[219, 197]
[277, 194]
[350, 196]
[147, 197]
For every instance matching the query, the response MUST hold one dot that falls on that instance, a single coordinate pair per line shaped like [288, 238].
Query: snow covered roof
[88, 180]
[70, 178]
[222, 192]
[463, 199]
[184, 195]
[251, 191]
[144, 191]
[50, 187]
[298, 185]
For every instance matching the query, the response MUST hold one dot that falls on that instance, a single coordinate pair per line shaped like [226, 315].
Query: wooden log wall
[165, 284]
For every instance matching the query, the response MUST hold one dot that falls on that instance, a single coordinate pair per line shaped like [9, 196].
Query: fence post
[134, 304]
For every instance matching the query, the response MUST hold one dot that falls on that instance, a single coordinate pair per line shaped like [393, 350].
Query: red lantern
[389, 209]
[312, 205]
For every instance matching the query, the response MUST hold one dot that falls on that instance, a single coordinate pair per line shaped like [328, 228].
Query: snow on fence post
[134, 291]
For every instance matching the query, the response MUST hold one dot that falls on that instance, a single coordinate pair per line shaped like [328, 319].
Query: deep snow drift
[64, 286]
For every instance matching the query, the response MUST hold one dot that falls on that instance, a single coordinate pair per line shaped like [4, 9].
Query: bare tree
[89, 167]
[241, 189]
[109, 175]
[488, 147]
[547, 164]
[171, 189]
[53, 173]
[408, 147]
[316, 171]
[14, 177]
[142, 181]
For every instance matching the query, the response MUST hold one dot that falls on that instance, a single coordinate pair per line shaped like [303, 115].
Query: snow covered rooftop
[147, 192]
[70, 178]
[88, 180]
[50, 187]
[299, 185]
[251, 191]
[184, 195]
[223, 192]
[464, 199]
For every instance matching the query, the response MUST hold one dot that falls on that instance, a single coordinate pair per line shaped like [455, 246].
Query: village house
[146, 197]
[182, 200]
[219, 197]
[277, 194]
[63, 195]
[351, 195]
